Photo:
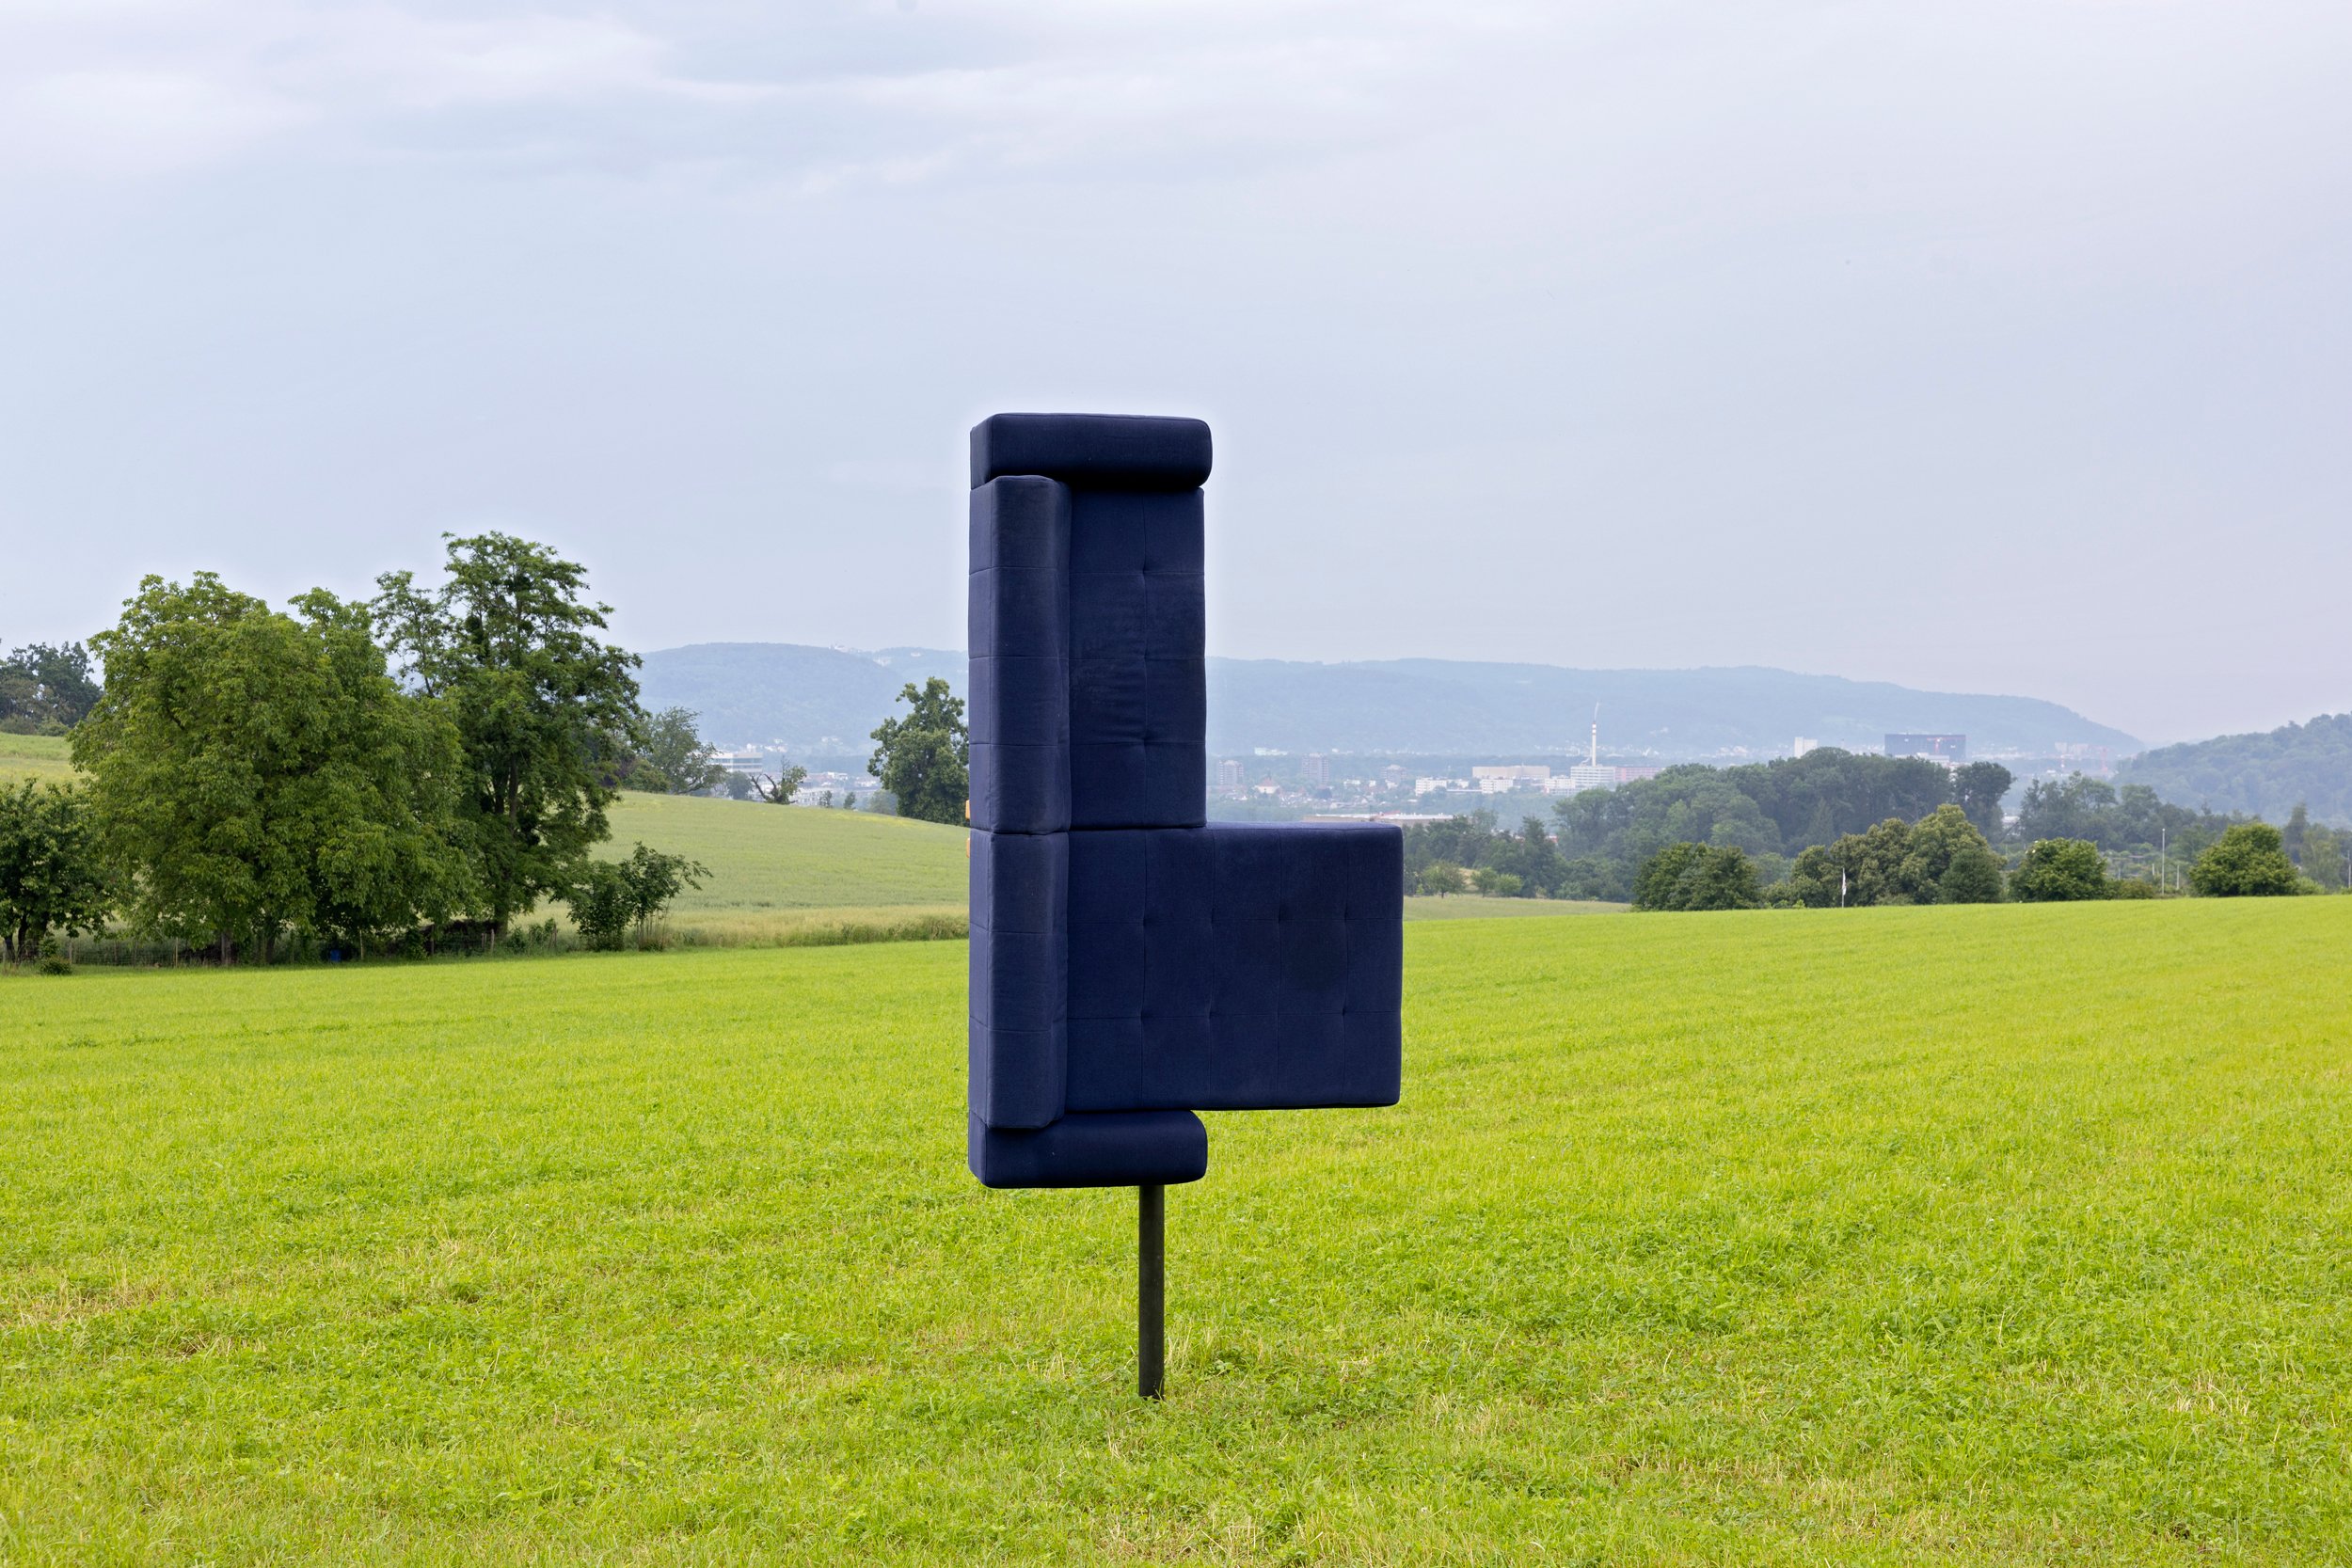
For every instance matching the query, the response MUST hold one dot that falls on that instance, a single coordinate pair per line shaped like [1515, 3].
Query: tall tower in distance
[1593, 775]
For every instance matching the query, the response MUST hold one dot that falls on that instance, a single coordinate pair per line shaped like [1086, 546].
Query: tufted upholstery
[1130, 963]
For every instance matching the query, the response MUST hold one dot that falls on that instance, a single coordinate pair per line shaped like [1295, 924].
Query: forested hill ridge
[827, 698]
[2266, 774]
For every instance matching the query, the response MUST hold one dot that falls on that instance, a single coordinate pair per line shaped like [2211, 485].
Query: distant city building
[1627, 775]
[1807, 743]
[1592, 775]
[1229, 776]
[1318, 771]
[742, 762]
[1950, 749]
[1512, 776]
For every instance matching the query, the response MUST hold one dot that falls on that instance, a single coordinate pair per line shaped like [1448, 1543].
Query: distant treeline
[46, 690]
[2267, 775]
[1595, 844]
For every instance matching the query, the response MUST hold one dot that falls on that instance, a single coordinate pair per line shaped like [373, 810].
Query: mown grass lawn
[1964, 1235]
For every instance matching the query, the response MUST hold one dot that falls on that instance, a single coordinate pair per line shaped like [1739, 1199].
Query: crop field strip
[1984, 1234]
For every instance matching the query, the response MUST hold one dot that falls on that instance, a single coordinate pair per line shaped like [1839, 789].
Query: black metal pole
[1151, 1289]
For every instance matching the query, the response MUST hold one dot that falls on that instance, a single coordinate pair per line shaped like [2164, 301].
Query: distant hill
[810, 701]
[2266, 774]
[827, 700]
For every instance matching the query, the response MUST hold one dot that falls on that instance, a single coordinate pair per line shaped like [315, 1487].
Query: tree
[777, 789]
[2250, 861]
[612, 895]
[51, 875]
[1940, 843]
[2326, 851]
[252, 772]
[676, 757]
[2298, 830]
[2058, 870]
[542, 705]
[1698, 877]
[46, 688]
[1437, 878]
[1978, 788]
[1973, 877]
[923, 757]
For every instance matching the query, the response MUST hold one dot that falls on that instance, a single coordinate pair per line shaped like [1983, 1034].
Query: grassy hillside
[1997, 1235]
[768, 859]
[39, 756]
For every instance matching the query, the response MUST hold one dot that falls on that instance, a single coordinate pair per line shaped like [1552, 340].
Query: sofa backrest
[1090, 702]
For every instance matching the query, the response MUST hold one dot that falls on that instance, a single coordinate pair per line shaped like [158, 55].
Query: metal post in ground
[1151, 1289]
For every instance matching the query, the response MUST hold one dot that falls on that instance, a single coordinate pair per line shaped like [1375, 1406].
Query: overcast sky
[1981, 346]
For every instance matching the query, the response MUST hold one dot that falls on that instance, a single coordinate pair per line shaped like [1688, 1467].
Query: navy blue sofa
[1132, 962]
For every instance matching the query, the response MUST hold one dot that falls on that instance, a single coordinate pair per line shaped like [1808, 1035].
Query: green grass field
[2006, 1234]
[35, 756]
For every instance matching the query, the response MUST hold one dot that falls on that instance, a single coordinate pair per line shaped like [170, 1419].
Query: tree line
[2264, 773]
[342, 775]
[1827, 825]
[423, 767]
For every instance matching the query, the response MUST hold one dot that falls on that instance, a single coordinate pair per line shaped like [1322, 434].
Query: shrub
[2131, 887]
[1497, 884]
[2060, 870]
[53, 959]
[611, 897]
[2248, 862]
[602, 904]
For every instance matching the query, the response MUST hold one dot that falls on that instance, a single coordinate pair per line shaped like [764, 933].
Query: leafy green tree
[51, 877]
[2299, 827]
[542, 705]
[1859, 869]
[1698, 877]
[2058, 870]
[1978, 788]
[2249, 861]
[1938, 842]
[674, 757]
[923, 757]
[253, 773]
[1438, 880]
[45, 688]
[1495, 884]
[1974, 877]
